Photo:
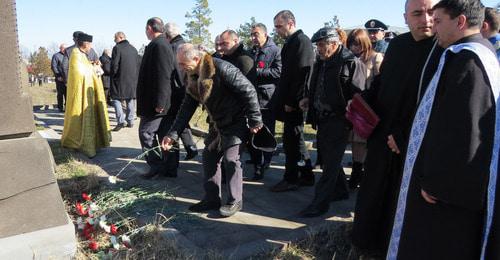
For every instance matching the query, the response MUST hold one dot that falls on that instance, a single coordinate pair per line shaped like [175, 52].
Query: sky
[51, 22]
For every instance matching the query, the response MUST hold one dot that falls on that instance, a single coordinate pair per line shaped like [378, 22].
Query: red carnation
[261, 64]
[93, 245]
[86, 197]
[80, 210]
[114, 229]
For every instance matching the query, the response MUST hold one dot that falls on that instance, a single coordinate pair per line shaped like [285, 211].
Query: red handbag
[362, 117]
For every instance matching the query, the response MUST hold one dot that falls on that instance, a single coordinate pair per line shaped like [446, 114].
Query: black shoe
[191, 152]
[170, 174]
[231, 209]
[284, 186]
[313, 211]
[118, 127]
[306, 182]
[129, 125]
[152, 173]
[340, 197]
[249, 161]
[258, 174]
[204, 206]
[356, 175]
[266, 165]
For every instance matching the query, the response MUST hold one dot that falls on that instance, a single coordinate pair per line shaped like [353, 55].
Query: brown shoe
[284, 186]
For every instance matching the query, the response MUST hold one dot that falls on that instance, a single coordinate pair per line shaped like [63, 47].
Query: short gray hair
[172, 30]
[261, 26]
[189, 51]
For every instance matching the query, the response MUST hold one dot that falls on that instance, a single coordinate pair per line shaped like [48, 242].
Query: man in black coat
[231, 102]
[393, 96]
[154, 92]
[447, 193]
[172, 33]
[267, 63]
[235, 54]
[336, 76]
[105, 60]
[297, 58]
[124, 72]
[58, 69]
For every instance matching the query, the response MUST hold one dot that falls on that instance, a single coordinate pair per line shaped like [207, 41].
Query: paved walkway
[267, 220]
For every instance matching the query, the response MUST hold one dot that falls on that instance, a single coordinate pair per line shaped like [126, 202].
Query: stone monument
[33, 220]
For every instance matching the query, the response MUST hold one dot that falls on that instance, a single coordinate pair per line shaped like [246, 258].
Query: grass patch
[330, 242]
[43, 95]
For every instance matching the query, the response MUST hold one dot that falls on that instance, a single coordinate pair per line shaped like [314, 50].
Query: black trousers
[332, 136]
[61, 94]
[212, 163]
[151, 133]
[187, 137]
[257, 155]
[294, 146]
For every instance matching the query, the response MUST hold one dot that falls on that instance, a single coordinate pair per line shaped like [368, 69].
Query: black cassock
[393, 96]
[453, 165]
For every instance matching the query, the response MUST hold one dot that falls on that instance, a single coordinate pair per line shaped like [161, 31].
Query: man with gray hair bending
[231, 102]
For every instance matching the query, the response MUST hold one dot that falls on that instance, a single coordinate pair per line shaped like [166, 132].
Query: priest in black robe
[444, 195]
[393, 96]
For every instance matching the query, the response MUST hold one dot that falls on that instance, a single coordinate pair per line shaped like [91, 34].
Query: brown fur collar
[200, 83]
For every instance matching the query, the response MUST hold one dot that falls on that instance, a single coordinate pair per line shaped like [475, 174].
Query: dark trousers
[151, 132]
[256, 154]
[187, 137]
[332, 133]
[61, 94]
[294, 147]
[212, 161]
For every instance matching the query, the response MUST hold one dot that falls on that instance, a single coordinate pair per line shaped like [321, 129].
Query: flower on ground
[86, 197]
[114, 229]
[80, 209]
[93, 245]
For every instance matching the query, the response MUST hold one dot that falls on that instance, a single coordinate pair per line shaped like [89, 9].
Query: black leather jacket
[344, 75]
[228, 96]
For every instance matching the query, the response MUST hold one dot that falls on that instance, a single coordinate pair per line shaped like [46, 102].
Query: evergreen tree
[197, 28]
[276, 38]
[335, 22]
[244, 32]
[40, 62]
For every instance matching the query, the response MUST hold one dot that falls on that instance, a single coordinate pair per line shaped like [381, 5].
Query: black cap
[264, 140]
[76, 33]
[375, 24]
[83, 37]
[323, 33]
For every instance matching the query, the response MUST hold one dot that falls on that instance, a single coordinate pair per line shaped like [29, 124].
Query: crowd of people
[427, 174]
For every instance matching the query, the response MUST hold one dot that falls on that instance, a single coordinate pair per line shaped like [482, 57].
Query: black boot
[306, 174]
[356, 175]
[259, 173]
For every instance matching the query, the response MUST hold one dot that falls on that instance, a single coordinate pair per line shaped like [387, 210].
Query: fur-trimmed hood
[200, 83]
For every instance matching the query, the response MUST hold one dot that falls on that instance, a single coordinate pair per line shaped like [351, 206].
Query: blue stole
[491, 66]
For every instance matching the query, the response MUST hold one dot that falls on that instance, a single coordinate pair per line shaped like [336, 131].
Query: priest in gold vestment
[86, 123]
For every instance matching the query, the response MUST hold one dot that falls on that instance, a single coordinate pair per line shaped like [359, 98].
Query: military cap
[324, 33]
[83, 37]
[375, 24]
